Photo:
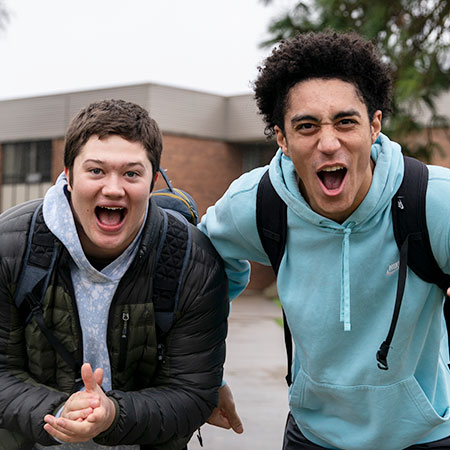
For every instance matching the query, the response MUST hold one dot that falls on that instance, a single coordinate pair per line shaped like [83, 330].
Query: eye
[306, 127]
[346, 123]
[131, 174]
[95, 171]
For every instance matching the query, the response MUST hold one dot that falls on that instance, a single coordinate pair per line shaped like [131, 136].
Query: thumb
[235, 421]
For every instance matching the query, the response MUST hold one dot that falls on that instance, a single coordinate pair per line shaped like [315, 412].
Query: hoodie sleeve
[231, 226]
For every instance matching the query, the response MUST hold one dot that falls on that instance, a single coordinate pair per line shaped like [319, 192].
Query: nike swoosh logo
[393, 268]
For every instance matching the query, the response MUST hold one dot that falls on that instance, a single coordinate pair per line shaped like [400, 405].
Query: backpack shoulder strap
[172, 258]
[271, 222]
[37, 267]
[409, 219]
[412, 238]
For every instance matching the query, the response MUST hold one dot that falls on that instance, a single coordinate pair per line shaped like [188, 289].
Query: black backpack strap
[271, 221]
[409, 214]
[39, 259]
[172, 258]
[37, 267]
[412, 238]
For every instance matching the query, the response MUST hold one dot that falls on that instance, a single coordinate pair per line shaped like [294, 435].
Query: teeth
[332, 168]
[112, 208]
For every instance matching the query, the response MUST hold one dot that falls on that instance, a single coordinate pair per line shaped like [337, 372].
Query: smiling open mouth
[110, 216]
[332, 177]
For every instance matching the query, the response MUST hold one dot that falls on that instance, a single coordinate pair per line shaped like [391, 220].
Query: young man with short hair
[142, 389]
[323, 96]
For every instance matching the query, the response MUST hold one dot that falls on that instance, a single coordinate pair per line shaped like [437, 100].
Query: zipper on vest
[123, 340]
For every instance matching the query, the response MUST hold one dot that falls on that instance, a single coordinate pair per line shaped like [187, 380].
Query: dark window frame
[27, 162]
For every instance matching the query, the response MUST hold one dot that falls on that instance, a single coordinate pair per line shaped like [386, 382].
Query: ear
[67, 174]
[281, 140]
[155, 179]
[376, 125]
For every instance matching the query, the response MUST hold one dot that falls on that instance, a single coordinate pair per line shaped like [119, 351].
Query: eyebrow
[101, 162]
[339, 115]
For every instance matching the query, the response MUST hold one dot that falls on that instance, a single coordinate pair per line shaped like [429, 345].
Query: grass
[278, 320]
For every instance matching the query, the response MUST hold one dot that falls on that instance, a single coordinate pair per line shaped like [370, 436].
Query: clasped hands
[86, 413]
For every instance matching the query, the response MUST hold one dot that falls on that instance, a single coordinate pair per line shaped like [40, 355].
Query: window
[257, 154]
[26, 171]
[27, 162]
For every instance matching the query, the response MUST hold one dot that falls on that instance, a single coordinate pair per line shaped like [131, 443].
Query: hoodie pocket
[363, 416]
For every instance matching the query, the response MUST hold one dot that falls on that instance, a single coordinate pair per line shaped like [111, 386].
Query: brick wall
[203, 168]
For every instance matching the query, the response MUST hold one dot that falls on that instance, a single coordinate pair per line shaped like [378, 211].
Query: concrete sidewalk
[255, 369]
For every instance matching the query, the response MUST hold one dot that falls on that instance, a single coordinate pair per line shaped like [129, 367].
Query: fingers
[88, 377]
[448, 291]
[92, 380]
[235, 422]
[68, 430]
[86, 413]
[57, 434]
[81, 400]
[218, 419]
[79, 414]
[98, 376]
[225, 415]
[80, 404]
[103, 415]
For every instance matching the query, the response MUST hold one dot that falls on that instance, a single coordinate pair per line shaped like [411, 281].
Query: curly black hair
[327, 54]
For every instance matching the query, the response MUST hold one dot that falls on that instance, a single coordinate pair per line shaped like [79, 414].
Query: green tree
[3, 15]
[414, 36]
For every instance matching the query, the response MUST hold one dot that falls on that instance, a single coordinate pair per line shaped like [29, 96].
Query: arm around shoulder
[231, 226]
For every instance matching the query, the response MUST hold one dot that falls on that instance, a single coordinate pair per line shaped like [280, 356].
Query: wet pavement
[255, 369]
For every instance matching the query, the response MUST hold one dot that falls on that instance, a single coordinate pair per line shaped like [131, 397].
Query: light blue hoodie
[337, 284]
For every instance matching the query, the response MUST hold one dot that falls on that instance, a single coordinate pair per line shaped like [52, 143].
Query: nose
[113, 187]
[328, 139]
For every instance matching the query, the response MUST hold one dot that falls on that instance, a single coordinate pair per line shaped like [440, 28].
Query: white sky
[54, 46]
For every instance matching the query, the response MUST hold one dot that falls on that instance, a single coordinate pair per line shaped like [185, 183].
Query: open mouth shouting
[110, 218]
[332, 179]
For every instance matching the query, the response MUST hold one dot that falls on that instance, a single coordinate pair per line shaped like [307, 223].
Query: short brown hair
[113, 117]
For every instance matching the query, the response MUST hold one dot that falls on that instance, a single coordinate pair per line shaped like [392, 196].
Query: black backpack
[172, 255]
[411, 235]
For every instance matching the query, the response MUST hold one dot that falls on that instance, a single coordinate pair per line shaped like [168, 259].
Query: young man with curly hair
[323, 96]
[120, 378]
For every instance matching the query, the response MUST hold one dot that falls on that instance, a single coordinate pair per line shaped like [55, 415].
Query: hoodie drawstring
[345, 280]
